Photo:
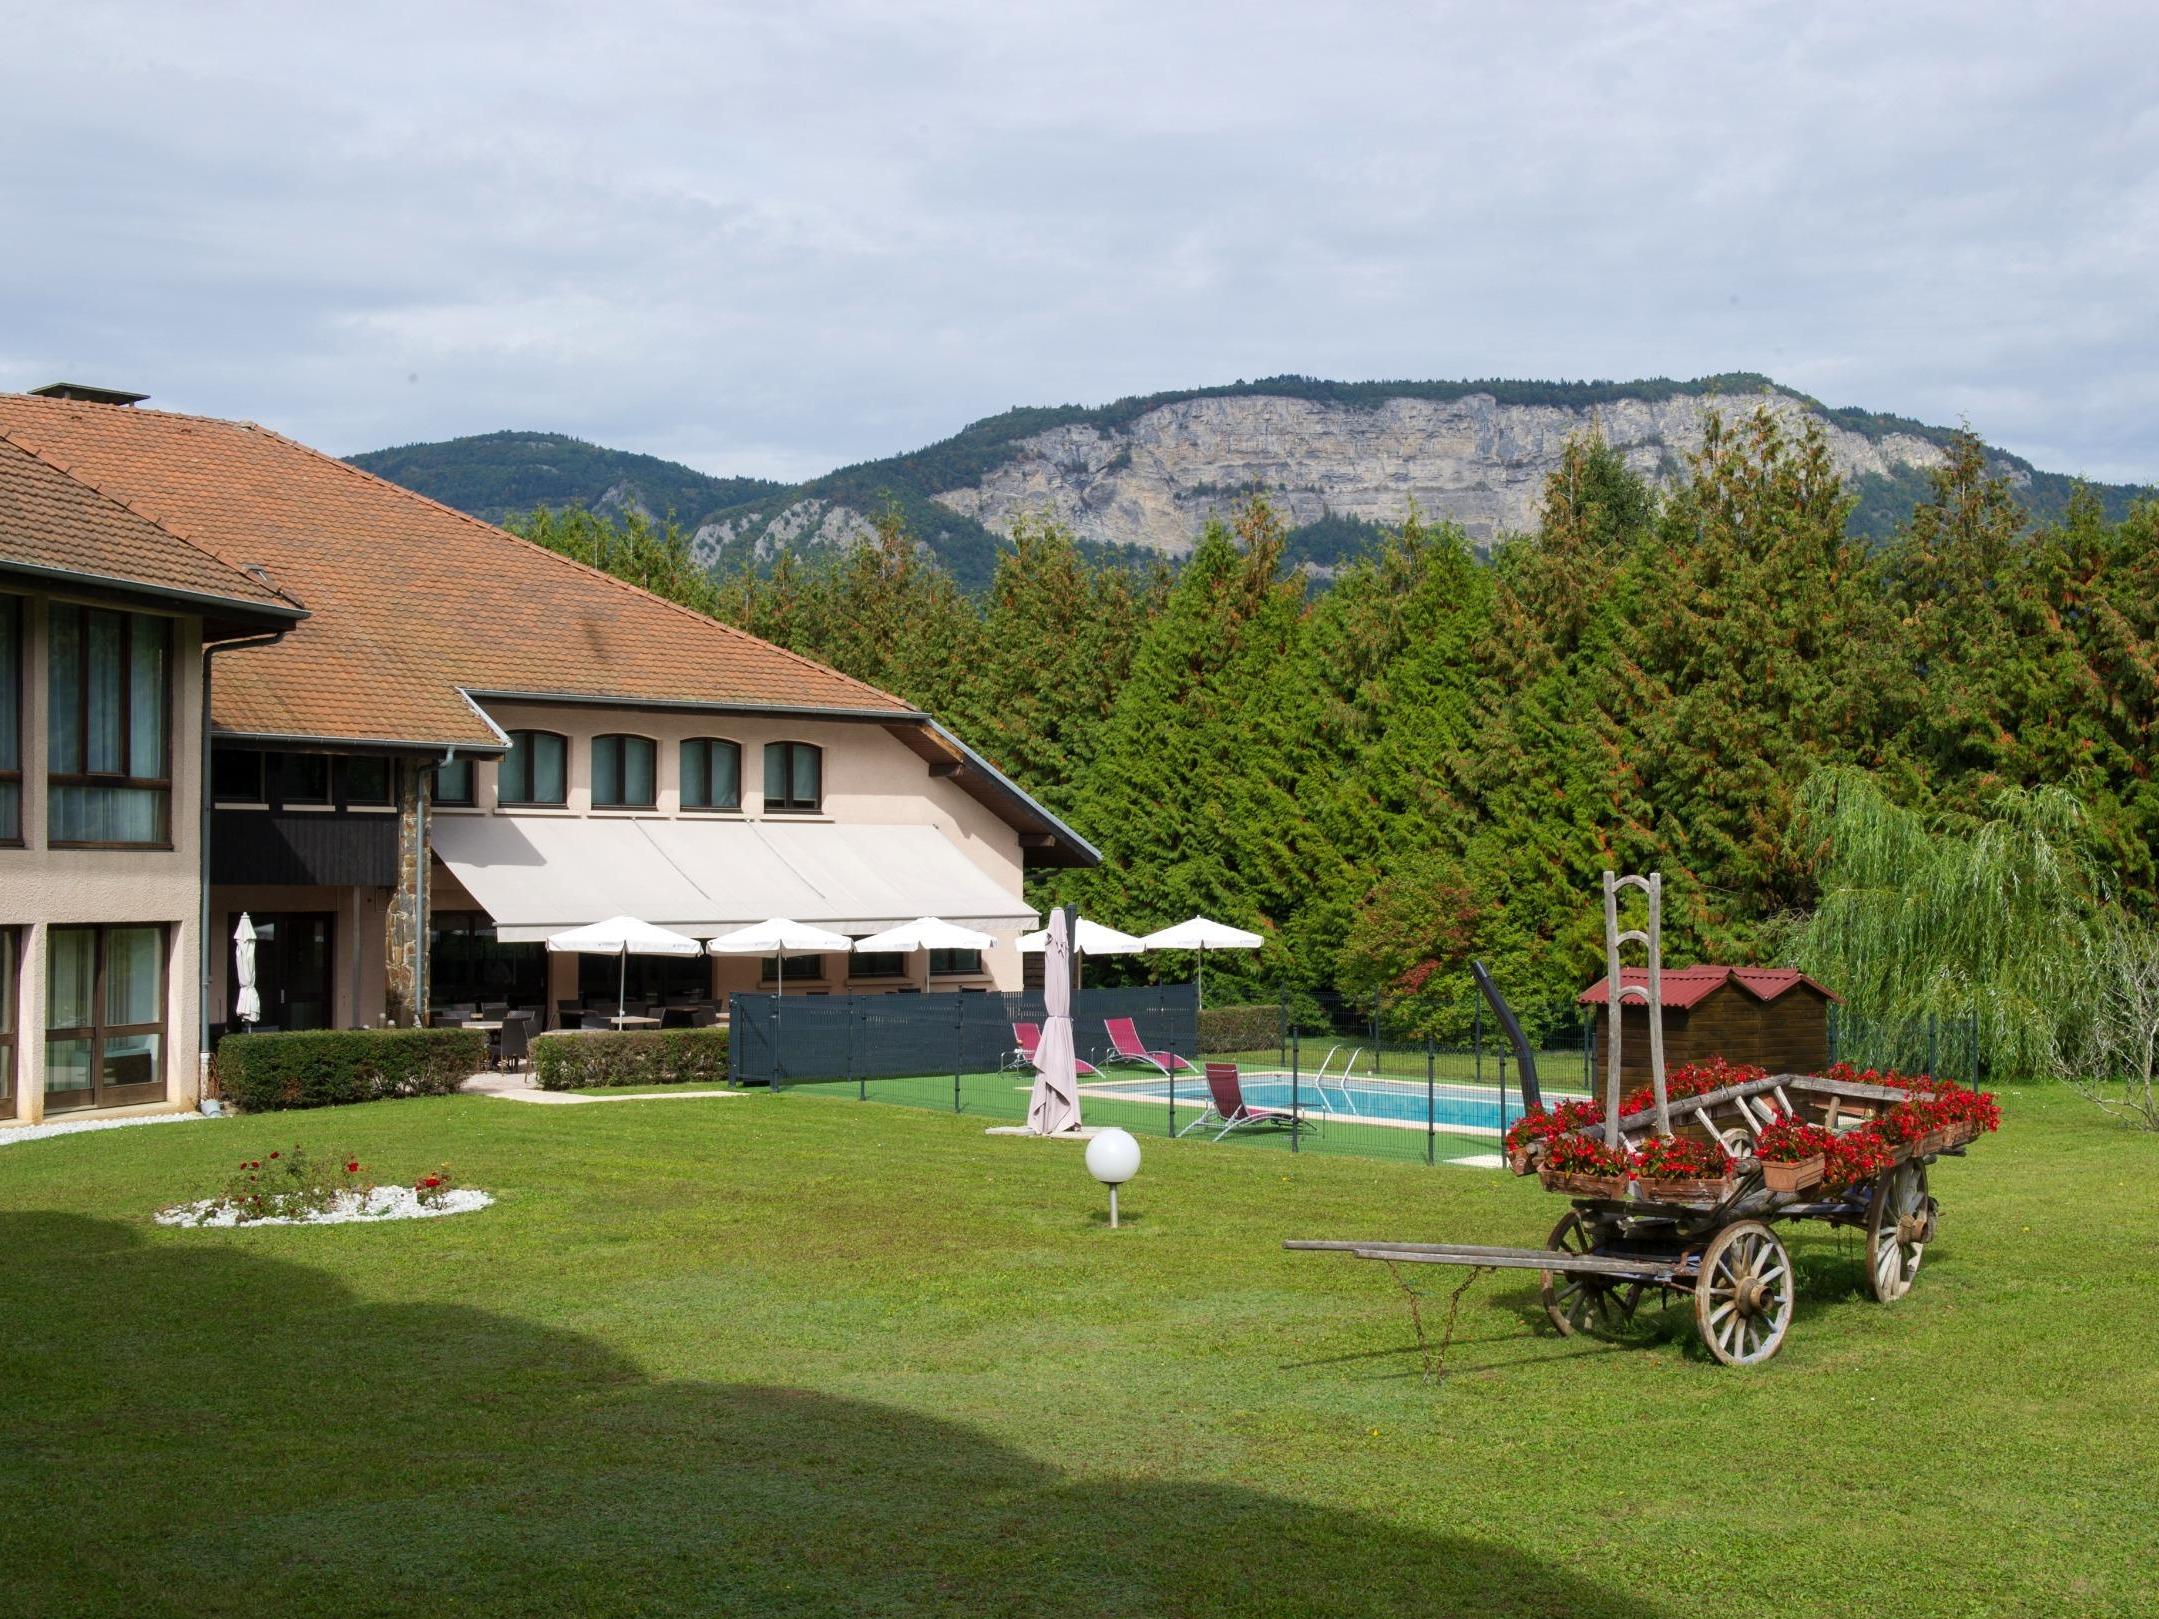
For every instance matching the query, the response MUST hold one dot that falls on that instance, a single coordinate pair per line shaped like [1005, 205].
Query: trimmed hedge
[326, 1067]
[1240, 1028]
[573, 1061]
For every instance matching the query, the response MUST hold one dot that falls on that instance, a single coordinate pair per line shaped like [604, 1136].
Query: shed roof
[1690, 986]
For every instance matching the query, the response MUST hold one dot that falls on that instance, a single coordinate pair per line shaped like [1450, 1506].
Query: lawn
[792, 1355]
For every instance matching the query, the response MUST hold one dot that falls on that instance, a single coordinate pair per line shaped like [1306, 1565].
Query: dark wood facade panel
[332, 850]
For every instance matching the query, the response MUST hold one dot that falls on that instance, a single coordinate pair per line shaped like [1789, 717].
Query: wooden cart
[1609, 1257]
[1611, 1254]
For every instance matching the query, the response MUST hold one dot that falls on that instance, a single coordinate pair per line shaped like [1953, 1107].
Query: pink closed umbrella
[1053, 1108]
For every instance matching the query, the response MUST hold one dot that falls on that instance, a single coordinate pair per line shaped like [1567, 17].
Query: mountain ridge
[1141, 474]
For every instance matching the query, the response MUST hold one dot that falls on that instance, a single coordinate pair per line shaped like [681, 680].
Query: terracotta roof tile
[409, 600]
[51, 520]
[1690, 986]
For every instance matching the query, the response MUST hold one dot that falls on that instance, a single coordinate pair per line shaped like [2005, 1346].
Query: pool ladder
[1319, 1080]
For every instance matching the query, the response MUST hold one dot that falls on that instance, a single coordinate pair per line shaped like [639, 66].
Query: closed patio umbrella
[1053, 1106]
[1202, 934]
[247, 1005]
[623, 936]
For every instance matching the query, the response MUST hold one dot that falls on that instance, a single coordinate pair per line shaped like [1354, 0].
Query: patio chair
[446, 1020]
[1027, 1040]
[513, 1042]
[569, 1014]
[1227, 1107]
[494, 1011]
[1127, 1050]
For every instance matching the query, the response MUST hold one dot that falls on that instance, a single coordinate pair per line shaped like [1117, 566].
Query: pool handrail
[1525, 1060]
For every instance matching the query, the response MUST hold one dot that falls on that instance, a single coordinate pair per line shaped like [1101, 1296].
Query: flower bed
[295, 1187]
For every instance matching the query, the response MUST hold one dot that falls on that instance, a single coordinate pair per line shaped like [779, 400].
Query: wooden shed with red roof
[1775, 1016]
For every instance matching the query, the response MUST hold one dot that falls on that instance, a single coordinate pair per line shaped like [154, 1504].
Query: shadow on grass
[192, 1426]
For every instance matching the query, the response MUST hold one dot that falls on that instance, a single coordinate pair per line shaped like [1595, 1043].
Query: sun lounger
[1128, 1050]
[1227, 1108]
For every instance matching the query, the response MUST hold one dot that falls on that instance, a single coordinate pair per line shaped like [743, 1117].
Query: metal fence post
[1296, 1117]
[1476, 1036]
[1932, 1025]
[959, 1045]
[1431, 1102]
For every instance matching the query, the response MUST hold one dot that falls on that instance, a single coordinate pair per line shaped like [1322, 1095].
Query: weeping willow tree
[1988, 920]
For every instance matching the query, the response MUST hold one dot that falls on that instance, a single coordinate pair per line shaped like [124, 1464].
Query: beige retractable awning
[539, 874]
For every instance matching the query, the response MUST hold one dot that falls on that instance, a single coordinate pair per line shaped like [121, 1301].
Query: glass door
[104, 1017]
[292, 970]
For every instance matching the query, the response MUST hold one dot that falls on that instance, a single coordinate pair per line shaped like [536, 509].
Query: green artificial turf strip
[792, 1355]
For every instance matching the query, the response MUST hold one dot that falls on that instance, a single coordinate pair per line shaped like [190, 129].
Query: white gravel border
[70, 1127]
[351, 1208]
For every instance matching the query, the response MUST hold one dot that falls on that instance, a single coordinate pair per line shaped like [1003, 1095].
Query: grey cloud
[777, 239]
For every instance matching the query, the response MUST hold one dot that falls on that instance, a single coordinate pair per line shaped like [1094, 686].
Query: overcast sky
[780, 237]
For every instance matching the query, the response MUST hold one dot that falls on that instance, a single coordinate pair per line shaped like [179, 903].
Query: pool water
[1396, 1102]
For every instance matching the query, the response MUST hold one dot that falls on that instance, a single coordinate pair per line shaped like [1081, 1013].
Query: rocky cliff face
[1156, 480]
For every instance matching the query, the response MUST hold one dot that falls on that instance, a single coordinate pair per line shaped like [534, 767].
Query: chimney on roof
[84, 393]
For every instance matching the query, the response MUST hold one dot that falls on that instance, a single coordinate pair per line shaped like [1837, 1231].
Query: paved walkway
[517, 1088]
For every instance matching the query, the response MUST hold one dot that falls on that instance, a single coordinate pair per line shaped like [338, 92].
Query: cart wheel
[1743, 1297]
[1591, 1306]
[1900, 1224]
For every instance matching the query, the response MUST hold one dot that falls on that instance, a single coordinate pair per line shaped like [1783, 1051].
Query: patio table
[626, 1020]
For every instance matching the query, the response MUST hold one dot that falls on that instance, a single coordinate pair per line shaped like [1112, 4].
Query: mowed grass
[793, 1355]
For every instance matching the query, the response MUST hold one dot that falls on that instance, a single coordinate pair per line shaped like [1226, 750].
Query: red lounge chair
[1131, 1051]
[1227, 1107]
[1027, 1039]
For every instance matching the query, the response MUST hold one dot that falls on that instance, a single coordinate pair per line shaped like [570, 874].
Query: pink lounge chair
[1227, 1107]
[1130, 1051]
[1027, 1039]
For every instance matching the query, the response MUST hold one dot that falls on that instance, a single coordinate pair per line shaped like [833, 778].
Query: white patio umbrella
[1053, 1107]
[1089, 939]
[623, 936]
[1202, 934]
[774, 937]
[247, 1005]
[925, 933]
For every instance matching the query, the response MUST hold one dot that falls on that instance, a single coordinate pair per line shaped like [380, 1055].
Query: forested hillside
[493, 475]
[1440, 754]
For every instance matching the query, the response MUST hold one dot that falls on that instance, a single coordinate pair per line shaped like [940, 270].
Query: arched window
[794, 778]
[711, 773]
[625, 772]
[536, 770]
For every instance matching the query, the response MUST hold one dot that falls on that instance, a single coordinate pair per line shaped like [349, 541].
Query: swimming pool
[1399, 1103]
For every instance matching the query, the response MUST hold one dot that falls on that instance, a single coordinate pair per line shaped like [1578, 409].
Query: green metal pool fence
[1337, 1077]
[1348, 1089]
[821, 1038]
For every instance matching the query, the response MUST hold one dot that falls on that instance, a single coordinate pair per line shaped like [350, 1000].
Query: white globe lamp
[1113, 1159]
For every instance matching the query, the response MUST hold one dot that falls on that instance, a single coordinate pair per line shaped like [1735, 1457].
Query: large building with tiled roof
[431, 744]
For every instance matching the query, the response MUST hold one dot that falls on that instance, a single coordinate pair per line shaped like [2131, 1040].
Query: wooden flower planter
[1577, 1185]
[1687, 1189]
[1518, 1160]
[1793, 1177]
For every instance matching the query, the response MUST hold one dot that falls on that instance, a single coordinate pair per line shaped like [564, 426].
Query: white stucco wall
[870, 778]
